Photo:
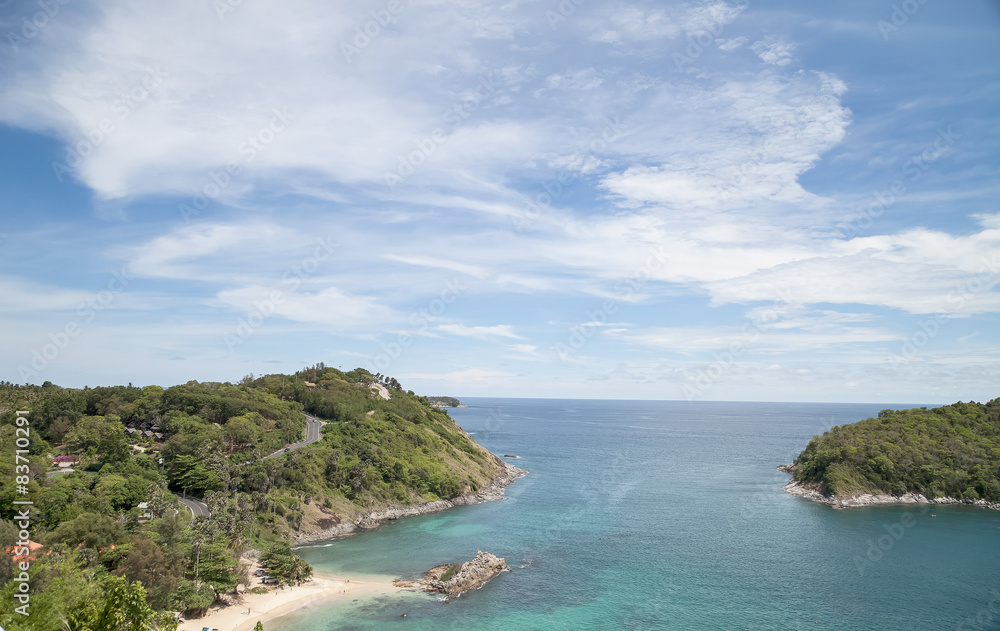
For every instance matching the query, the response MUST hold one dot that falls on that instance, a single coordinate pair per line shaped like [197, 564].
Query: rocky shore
[455, 579]
[372, 519]
[817, 492]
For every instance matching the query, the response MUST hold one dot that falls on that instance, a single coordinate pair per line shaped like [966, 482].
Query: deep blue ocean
[671, 515]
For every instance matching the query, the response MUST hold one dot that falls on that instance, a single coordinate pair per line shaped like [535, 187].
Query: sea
[670, 515]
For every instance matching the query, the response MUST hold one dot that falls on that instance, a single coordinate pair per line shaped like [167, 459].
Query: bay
[671, 515]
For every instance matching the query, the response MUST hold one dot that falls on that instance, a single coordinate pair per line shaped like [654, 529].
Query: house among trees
[33, 552]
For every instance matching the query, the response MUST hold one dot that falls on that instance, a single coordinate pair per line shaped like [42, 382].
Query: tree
[187, 471]
[124, 609]
[284, 565]
[259, 627]
[147, 565]
[194, 598]
[90, 529]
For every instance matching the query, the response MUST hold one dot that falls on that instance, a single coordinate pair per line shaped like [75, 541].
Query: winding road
[313, 426]
[196, 506]
[313, 435]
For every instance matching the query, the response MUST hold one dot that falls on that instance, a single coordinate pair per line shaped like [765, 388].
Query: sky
[705, 200]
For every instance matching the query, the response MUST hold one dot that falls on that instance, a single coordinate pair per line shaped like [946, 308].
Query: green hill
[147, 445]
[951, 451]
[444, 402]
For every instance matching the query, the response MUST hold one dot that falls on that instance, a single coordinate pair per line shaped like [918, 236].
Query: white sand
[264, 607]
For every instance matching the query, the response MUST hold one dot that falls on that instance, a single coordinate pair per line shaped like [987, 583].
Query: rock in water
[470, 575]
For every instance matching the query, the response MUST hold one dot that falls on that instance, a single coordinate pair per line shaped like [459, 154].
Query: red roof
[33, 548]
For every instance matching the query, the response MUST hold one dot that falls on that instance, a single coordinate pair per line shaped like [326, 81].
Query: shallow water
[671, 515]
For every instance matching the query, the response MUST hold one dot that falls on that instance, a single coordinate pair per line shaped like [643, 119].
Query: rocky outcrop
[373, 519]
[817, 492]
[455, 578]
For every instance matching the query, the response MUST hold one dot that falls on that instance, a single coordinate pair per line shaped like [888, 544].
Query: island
[944, 455]
[455, 578]
[446, 402]
[185, 500]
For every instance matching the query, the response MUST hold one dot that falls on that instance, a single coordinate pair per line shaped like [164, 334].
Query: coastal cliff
[368, 520]
[817, 492]
[943, 455]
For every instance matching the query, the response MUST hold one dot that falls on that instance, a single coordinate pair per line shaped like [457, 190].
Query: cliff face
[817, 492]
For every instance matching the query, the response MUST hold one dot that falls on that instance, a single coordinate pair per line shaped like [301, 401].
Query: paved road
[197, 507]
[313, 425]
[49, 474]
[313, 435]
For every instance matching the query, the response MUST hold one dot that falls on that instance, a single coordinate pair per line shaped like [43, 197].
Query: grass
[450, 572]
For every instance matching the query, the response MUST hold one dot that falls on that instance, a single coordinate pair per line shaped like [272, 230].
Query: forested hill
[234, 446]
[951, 451]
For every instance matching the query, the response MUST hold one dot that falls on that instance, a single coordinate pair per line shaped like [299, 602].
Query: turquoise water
[671, 515]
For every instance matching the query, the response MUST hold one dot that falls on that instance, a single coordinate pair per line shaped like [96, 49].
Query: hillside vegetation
[951, 451]
[210, 441]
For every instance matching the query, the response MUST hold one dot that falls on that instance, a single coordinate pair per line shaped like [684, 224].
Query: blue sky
[647, 200]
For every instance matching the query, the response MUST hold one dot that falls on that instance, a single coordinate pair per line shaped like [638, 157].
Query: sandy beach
[276, 602]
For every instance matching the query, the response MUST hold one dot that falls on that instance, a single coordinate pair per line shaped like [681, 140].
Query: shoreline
[494, 491]
[814, 492]
[276, 602]
[327, 587]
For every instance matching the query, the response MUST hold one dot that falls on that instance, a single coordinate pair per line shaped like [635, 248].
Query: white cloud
[730, 45]
[330, 307]
[434, 262]
[485, 333]
[582, 80]
[632, 23]
[22, 296]
[182, 254]
[524, 352]
[774, 51]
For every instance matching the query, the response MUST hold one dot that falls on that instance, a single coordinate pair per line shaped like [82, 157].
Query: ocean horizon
[670, 515]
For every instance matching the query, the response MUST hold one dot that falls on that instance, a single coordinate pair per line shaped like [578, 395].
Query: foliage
[449, 402]
[949, 451]
[109, 563]
[450, 572]
[283, 565]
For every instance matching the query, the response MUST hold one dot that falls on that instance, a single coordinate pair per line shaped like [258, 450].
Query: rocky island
[455, 578]
[945, 455]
